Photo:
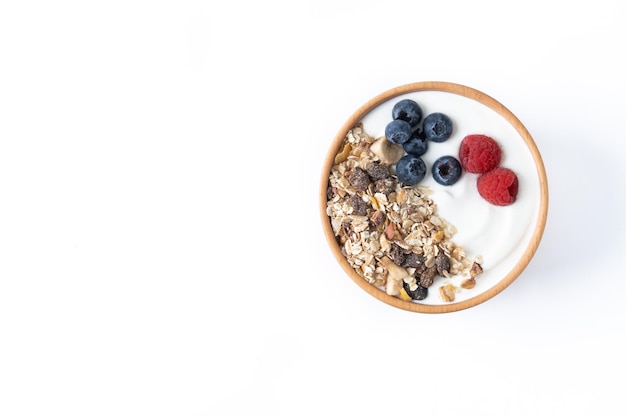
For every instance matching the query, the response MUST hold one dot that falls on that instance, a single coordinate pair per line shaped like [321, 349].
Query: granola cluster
[389, 233]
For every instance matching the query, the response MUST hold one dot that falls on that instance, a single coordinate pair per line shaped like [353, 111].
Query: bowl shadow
[584, 216]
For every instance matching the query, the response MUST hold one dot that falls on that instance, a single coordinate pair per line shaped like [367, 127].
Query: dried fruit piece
[419, 293]
[404, 295]
[413, 260]
[499, 186]
[384, 186]
[396, 254]
[359, 207]
[442, 263]
[378, 171]
[390, 231]
[479, 153]
[428, 276]
[358, 179]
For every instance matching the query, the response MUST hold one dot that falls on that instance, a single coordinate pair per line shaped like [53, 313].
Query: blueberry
[407, 110]
[417, 145]
[410, 169]
[447, 170]
[398, 131]
[437, 127]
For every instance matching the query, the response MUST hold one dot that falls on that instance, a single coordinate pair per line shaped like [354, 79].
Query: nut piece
[388, 153]
[343, 155]
[393, 287]
[470, 283]
[396, 273]
[476, 270]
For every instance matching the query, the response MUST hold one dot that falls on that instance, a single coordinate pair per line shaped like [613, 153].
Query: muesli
[390, 232]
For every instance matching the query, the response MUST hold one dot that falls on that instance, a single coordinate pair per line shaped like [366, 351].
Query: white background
[161, 252]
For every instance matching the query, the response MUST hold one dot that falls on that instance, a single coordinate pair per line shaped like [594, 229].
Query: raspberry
[498, 186]
[479, 154]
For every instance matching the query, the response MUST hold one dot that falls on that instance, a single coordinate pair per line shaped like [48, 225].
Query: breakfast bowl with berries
[433, 197]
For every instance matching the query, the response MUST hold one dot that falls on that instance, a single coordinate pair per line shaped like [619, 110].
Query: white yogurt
[499, 235]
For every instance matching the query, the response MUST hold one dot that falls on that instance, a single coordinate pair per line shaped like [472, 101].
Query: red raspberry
[479, 154]
[498, 186]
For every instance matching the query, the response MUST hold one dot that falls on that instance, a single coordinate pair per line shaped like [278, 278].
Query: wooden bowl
[527, 216]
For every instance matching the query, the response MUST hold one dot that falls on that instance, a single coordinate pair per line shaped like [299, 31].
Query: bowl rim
[471, 93]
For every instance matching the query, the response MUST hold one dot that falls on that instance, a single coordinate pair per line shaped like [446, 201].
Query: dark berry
[447, 170]
[416, 145]
[418, 294]
[398, 131]
[437, 127]
[407, 110]
[359, 206]
[410, 169]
